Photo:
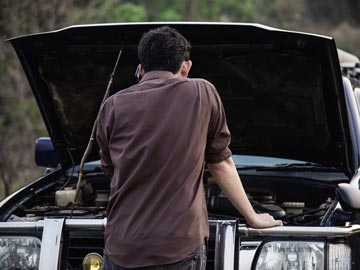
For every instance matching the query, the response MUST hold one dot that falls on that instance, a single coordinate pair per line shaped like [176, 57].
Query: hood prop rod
[93, 132]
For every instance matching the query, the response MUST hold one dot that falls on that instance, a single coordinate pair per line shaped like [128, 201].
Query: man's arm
[227, 177]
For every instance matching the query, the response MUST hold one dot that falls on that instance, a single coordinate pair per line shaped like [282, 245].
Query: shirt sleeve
[219, 138]
[103, 138]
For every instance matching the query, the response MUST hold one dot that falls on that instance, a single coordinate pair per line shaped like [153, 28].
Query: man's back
[157, 134]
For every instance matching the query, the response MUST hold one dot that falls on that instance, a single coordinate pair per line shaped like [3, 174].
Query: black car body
[295, 138]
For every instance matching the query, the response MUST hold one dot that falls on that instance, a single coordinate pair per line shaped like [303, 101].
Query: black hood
[282, 91]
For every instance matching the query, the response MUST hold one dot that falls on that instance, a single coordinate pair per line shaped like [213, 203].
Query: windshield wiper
[303, 166]
[253, 167]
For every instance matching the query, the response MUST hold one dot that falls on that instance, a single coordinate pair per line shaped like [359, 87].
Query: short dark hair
[163, 48]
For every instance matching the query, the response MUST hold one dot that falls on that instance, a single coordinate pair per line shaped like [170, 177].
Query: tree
[20, 121]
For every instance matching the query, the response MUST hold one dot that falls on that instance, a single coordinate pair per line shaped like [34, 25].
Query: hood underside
[282, 91]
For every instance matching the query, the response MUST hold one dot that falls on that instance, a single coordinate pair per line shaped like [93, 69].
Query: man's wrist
[251, 218]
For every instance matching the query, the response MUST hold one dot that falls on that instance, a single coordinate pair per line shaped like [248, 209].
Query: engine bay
[296, 201]
[290, 212]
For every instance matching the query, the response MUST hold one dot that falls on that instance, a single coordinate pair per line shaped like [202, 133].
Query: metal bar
[10, 227]
[51, 244]
[300, 231]
[242, 230]
[93, 131]
[224, 244]
[88, 224]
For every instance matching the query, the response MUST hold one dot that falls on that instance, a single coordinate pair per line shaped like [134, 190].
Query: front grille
[77, 245]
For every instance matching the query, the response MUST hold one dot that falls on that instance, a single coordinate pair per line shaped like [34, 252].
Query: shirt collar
[156, 74]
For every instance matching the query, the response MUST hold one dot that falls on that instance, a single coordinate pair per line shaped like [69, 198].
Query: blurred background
[20, 121]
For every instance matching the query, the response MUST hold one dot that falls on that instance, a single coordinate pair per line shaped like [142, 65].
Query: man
[154, 138]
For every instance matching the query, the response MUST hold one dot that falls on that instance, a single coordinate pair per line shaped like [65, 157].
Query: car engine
[294, 201]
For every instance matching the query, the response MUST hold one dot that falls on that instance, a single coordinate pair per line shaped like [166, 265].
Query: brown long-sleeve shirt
[154, 138]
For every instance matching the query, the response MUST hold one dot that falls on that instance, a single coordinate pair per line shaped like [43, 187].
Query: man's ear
[142, 71]
[185, 68]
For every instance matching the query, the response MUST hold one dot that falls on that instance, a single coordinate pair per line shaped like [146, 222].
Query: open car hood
[282, 91]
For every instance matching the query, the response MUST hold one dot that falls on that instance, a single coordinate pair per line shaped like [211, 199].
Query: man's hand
[227, 177]
[261, 221]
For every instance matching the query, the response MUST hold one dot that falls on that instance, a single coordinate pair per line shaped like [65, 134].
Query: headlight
[339, 257]
[19, 252]
[291, 256]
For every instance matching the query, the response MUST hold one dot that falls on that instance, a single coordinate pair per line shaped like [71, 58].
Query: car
[295, 141]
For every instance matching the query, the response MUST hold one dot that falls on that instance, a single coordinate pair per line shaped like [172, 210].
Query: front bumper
[232, 246]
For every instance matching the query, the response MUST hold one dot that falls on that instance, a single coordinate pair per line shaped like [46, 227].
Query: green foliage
[20, 121]
[163, 10]
[170, 15]
[128, 12]
[233, 10]
[25, 113]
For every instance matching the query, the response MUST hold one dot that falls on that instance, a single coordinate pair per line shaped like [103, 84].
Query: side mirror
[349, 197]
[45, 154]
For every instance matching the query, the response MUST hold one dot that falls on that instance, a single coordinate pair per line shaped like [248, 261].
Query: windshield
[263, 166]
[287, 167]
[239, 160]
